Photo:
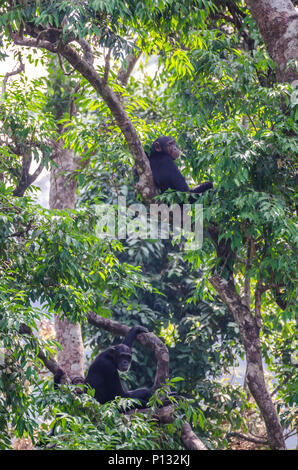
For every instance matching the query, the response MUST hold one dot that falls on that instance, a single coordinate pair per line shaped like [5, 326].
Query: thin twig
[48, 361]
[20, 69]
[247, 438]
[107, 66]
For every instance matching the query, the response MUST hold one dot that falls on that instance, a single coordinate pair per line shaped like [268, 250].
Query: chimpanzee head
[121, 356]
[166, 144]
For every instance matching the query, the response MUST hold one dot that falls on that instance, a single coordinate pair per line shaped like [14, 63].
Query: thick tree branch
[247, 438]
[278, 23]
[19, 40]
[125, 71]
[148, 340]
[107, 66]
[88, 56]
[246, 296]
[260, 289]
[145, 184]
[190, 439]
[24, 179]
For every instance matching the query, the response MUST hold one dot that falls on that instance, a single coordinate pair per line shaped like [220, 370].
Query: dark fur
[103, 373]
[166, 175]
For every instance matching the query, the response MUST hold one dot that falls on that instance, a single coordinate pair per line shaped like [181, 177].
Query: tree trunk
[277, 21]
[63, 196]
[249, 332]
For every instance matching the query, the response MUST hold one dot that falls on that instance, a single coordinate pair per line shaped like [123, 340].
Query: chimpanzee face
[167, 145]
[172, 149]
[124, 362]
[123, 357]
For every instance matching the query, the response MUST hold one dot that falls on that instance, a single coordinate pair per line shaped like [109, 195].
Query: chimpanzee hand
[140, 329]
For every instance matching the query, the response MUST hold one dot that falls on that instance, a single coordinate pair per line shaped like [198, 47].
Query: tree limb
[260, 289]
[125, 72]
[277, 21]
[24, 180]
[249, 332]
[148, 340]
[107, 66]
[246, 298]
[88, 56]
[145, 185]
[247, 438]
[190, 439]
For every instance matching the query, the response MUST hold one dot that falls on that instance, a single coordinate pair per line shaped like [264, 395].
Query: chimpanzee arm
[131, 335]
[177, 180]
[59, 377]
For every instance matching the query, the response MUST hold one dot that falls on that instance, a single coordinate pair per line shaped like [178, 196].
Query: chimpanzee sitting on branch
[166, 175]
[103, 373]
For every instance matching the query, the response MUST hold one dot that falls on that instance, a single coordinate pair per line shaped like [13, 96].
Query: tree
[283, 45]
[63, 196]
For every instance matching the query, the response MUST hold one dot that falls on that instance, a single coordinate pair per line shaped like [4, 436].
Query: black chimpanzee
[166, 175]
[103, 373]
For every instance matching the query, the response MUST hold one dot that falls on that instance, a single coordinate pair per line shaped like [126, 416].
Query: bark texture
[190, 439]
[62, 186]
[277, 21]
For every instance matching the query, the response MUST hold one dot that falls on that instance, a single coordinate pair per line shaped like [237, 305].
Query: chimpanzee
[103, 373]
[166, 175]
